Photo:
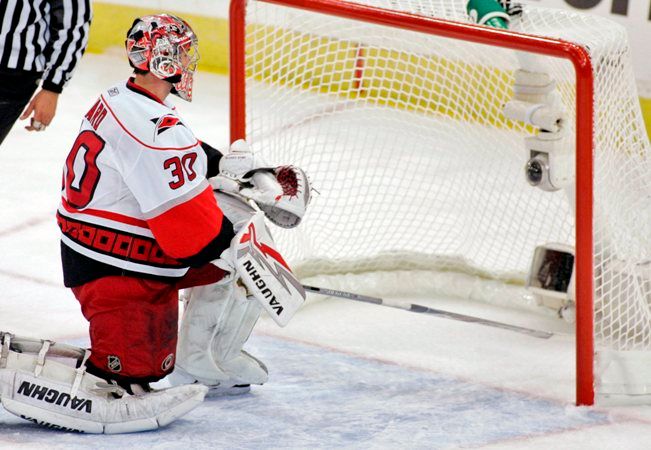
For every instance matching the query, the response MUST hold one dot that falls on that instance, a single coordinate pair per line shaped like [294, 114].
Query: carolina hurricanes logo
[165, 123]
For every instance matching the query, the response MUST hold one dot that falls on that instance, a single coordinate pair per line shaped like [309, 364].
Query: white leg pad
[60, 396]
[216, 323]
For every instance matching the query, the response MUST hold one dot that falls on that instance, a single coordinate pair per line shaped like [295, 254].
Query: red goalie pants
[134, 321]
[133, 326]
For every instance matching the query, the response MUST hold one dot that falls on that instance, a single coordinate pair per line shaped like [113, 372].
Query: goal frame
[576, 54]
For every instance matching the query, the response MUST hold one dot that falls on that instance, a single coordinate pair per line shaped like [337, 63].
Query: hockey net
[399, 125]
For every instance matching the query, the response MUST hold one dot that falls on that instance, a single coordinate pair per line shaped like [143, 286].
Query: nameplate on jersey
[96, 114]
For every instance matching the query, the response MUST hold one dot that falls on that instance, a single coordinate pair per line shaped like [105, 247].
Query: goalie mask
[166, 46]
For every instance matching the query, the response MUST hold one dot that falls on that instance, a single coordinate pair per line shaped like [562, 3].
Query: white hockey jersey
[135, 199]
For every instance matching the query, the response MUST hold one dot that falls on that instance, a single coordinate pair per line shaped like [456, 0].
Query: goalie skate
[249, 370]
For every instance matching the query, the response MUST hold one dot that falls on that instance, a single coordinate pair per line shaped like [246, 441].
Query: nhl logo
[114, 363]
[167, 362]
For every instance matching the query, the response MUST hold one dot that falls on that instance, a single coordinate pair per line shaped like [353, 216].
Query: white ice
[342, 374]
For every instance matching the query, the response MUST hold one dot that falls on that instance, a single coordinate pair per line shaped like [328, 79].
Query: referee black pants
[16, 89]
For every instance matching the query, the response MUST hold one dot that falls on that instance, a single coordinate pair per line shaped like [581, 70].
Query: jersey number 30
[82, 173]
[181, 169]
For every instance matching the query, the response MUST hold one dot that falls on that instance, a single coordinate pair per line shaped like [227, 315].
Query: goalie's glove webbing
[287, 209]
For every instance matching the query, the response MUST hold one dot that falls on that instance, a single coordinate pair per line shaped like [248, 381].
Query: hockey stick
[427, 310]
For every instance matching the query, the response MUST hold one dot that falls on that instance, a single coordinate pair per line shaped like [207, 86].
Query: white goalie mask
[166, 46]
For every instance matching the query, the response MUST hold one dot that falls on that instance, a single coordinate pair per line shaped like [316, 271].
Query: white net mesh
[416, 166]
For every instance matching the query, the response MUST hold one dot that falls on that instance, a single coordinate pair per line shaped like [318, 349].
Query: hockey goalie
[218, 317]
[139, 221]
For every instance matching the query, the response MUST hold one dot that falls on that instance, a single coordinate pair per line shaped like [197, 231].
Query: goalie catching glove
[282, 193]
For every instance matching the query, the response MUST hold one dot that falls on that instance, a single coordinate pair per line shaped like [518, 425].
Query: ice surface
[325, 398]
[342, 374]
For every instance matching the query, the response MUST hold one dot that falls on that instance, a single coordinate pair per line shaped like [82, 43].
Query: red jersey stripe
[116, 217]
[138, 140]
[186, 229]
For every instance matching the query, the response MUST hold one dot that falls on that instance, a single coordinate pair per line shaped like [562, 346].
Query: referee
[39, 40]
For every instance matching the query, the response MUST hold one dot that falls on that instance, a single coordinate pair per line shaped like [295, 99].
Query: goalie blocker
[265, 273]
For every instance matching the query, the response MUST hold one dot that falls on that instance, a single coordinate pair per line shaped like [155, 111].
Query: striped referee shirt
[44, 36]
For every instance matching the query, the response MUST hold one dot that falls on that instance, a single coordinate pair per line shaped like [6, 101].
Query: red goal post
[581, 62]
